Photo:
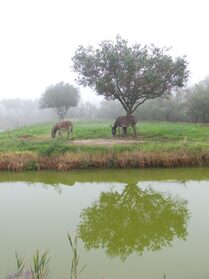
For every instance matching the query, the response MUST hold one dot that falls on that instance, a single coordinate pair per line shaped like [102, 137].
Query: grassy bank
[157, 145]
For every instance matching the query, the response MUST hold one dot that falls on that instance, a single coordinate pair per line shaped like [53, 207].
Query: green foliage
[38, 270]
[31, 165]
[40, 267]
[20, 264]
[60, 98]
[54, 147]
[74, 272]
[129, 74]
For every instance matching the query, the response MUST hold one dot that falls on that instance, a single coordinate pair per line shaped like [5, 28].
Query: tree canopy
[60, 98]
[129, 74]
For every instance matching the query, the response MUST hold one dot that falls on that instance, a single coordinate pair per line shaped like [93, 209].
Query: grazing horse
[62, 126]
[122, 122]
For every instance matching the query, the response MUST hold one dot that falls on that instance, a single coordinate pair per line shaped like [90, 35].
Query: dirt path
[105, 141]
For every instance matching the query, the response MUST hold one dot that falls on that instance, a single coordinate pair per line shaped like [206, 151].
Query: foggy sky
[39, 37]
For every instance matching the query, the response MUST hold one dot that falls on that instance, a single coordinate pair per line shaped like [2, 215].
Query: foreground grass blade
[75, 258]
[40, 267]
[20, 264]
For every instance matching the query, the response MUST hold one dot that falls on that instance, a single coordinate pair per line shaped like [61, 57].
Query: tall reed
[75, 258]
[40, 267]
[20, 265]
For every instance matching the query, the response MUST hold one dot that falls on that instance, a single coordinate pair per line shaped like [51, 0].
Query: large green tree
[129, 74]
[60, 98]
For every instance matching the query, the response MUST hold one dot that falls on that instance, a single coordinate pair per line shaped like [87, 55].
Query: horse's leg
[134, 128]
[119, 132]
[60, 133]
[68, 132]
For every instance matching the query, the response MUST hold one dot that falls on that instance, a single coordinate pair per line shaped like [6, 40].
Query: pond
[130, 223]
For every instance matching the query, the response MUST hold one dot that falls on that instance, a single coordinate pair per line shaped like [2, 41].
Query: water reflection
[56, 187]
[134, 220]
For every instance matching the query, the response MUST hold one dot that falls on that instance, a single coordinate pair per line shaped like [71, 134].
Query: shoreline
[29, 161]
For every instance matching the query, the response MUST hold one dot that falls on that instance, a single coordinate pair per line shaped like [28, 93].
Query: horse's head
[113, 130]
[53, 131]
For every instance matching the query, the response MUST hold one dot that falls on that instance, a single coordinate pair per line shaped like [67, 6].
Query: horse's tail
[71, 127]
[53, 131]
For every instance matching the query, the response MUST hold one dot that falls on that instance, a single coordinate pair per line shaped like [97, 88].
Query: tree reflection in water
[133, 221]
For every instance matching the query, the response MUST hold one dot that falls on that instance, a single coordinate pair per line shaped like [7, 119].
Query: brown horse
[62, 126]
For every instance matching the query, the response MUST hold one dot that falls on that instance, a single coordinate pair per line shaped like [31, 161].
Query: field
[157, 144]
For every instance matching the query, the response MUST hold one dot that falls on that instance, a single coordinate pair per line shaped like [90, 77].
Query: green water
[131, 223]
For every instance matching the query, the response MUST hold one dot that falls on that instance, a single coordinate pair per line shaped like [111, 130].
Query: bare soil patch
[106, 141]
[25, 137]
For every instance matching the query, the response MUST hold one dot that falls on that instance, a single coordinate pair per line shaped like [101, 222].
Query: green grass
[174, 131]
[152, 136]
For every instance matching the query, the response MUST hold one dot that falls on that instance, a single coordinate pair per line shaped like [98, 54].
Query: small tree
[129, 74]
[60, 98]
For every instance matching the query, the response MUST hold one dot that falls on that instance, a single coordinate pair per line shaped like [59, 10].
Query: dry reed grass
[17, 161]
[83, 160]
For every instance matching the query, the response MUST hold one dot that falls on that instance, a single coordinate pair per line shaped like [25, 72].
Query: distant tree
[60, 98]
[109, 109]
[198, 101]
[129, 74]
[13, 106]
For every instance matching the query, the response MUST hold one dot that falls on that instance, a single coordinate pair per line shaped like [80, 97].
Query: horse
[62, 126]
[123, 122]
